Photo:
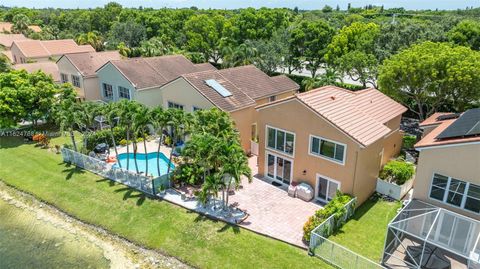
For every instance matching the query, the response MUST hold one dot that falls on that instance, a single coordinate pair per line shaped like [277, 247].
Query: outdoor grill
[101, 148]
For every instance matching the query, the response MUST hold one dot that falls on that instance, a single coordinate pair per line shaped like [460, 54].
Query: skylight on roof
[218, 87]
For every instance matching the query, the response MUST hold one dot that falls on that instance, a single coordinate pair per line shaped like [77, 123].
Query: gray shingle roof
[157, 71]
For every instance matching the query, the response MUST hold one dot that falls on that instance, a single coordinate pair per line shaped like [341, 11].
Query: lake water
[27, 242]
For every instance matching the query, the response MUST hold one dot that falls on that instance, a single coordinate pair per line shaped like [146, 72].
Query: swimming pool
[142, 160]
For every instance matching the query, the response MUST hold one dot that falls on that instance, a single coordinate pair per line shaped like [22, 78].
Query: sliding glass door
[326, 189]
[279, 169]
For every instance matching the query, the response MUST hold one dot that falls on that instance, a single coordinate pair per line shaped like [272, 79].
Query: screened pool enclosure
[426, 236]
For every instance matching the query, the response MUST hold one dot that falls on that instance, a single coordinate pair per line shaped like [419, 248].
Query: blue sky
[229, 4]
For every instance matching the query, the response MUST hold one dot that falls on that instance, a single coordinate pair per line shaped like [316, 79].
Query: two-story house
[140, 79]
[235, 90]
[79, 70]
[330, 138]
[448, 170]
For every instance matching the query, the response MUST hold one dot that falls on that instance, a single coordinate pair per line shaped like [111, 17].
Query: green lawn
[170, 229]
[365, 232]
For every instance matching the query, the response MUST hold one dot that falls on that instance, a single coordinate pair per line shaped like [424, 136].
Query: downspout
[355, 173]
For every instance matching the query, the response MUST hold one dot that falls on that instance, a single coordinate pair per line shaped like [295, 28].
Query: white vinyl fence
[332, 252]
[125, 177]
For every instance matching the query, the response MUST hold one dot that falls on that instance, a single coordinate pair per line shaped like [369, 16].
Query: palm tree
[159, 120]
[330, 77]
[85, 117]
[142, 120]
[127, 109]
[177, 120]
[66, 119]
[235, 167]
[91, 38]
[111, 114]
[211, 187]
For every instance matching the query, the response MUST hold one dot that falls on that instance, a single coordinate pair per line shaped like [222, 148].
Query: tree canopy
[428, 75]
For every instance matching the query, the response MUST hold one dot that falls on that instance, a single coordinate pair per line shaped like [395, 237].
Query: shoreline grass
[170, 229]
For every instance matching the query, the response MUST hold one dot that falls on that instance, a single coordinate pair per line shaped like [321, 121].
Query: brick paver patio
[272, 211]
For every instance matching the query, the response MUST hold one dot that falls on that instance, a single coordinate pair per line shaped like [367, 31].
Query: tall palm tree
[177, 121]
[142, 120]
[66, 119]
[126, 112]
[211, 187]
[111, 114]
[85, 117]
[159, 120]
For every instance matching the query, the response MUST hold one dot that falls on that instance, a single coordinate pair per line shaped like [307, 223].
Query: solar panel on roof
[218, 87]
[468, 124]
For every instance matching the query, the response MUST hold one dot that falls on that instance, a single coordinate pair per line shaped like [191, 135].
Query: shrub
[336, 208]
[397, 171]
[409, 141]
[188, 173]
[123, 142]
[104, 136]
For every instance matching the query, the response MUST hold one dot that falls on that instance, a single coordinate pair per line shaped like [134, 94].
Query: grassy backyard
[170, 229]
[365, 232]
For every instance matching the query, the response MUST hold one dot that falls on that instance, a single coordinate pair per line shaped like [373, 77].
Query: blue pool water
[142, 159]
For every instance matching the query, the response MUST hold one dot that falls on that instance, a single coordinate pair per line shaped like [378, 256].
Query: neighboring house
[448, 170]
[6, 40]
[25, 51]
[6, 27]
[235, 90]
[49, 68]
[140, 79]
[79, 69]
[330, 138]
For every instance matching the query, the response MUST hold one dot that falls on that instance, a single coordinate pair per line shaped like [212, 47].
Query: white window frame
[175, 104]
[119, 89]
[64, 78]
[292, 155]
[447, 189]
[103, 92]
[76, 78]
[319, 155]
[317, 182]
[275, 168]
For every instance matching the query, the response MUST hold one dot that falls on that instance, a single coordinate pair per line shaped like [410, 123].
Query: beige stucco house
[329, 138]
[235, 90]
[140, 79]
[448, 170]
[79, 70]
[27, 51]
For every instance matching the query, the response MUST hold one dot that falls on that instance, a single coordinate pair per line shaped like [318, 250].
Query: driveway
[272, 211]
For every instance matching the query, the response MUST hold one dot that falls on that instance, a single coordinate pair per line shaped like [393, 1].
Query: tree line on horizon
[363, 44]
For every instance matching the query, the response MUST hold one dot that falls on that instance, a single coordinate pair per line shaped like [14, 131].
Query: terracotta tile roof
[7, 27]
[48, 48]
[88, 62]
[50, 68]
[6, 40]
[361, 115]
[256, 83]
[432, 120]
[157, 71]
[431, 140]
[236, 101]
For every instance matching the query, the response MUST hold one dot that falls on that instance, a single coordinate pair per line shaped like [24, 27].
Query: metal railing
[332, 252]
[125, 177]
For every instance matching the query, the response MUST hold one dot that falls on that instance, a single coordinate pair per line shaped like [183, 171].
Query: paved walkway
[272, 211]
